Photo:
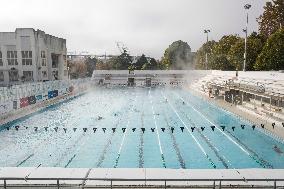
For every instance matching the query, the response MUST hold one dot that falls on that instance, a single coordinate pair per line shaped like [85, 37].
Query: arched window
[13, 74]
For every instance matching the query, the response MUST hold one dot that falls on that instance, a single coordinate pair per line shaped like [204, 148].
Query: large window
[27, 58]
[1, 76]
[28, 75]
[13, 75]
[12, 58]
[43, 58]
[1, 61]
[54, 59]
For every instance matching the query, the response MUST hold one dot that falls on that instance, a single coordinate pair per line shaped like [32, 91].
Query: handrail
[162, 185]
[130, 179]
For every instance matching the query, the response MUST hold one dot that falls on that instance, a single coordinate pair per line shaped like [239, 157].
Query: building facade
[29, 55]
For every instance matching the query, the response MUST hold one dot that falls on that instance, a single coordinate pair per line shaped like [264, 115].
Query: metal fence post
[275, 185]
[58, 185]
[110, 184]
[214, 184]
[165, 184]
[5, 184]
[220, 185]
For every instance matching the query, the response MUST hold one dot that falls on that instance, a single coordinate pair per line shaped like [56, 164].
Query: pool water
[137, 127]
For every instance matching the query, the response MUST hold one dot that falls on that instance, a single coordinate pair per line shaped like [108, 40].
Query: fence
[216, 182]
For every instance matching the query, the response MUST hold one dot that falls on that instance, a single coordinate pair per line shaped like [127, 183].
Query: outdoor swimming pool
[136, 127]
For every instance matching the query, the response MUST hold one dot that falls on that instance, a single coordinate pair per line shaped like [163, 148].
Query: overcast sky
[144, 26]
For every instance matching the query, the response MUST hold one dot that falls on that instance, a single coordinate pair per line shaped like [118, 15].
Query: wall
[16, 98]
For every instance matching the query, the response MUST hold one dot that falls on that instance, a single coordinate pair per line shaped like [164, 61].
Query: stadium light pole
[247, 7]
[206, 56]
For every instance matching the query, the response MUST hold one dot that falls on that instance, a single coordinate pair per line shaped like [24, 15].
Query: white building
[27, 55]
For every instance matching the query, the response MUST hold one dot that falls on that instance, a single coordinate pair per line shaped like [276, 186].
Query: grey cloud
[145, 26]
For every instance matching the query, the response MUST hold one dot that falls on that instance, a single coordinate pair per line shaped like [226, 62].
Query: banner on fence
[24, 102]
[55, 93]
[50, 94]
[32, 99]
[38, 97]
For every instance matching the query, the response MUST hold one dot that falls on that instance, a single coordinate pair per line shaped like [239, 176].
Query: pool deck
[143, 174]
[251, 116]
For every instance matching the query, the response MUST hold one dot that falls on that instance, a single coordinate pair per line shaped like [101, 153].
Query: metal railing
[216, 183]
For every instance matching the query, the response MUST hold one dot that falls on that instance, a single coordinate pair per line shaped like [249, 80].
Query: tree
[91, 65]
[255, 44]
[177, 56]
[160, 65]
[141, 61]
[165, 61]
[113, 63]
[217, 54]
[123, 61]
[225, 44]
[152, 65]
[78, 69]
[272, 18]
[272, 54]
[100, 65]
[200, 58]
[220, 62]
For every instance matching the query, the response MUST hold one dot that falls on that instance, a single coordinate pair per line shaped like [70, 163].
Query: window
[54, 59]
[42, 54]
[43, 62]
[12, 58]
[28, 75]
[1, 62]
[27, 58]
[13, 75]
[1, 76]
[43, 58]
[44, 74]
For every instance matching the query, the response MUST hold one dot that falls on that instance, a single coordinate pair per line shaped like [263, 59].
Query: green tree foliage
[272, 18]
[132, 67]
[151, 65]
[224, 45]
[108, 65]
[217, 54]
[177, 56]
[123, 61]
[264, 50]
[220, 62]
[141, 61]
[255, 44]
[272, 55]
[165, 61]
[91, 65]
[200, 58]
